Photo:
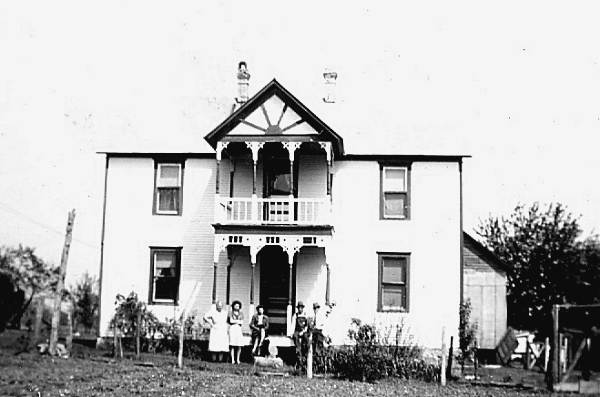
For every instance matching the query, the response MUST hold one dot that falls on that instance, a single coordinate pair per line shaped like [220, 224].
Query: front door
[274, 286]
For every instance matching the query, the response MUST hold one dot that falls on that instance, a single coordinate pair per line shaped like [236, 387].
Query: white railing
[246, 210]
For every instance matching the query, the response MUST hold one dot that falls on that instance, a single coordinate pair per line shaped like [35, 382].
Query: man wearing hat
[317, 325]
[300, 327]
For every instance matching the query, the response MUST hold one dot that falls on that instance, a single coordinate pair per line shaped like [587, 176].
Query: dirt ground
[90, 373]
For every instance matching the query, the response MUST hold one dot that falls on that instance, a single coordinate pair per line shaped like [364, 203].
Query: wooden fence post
[450, 358]
[555, 346]
[443, 365]
[69, 338]
[60, 286]
[546, 353]
[309, 357]
[138, 325]
[37, 326]
[527, 354]
[115, 337]
[181, 340]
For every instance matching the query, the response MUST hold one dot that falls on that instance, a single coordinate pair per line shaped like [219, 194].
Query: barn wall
[485, 286]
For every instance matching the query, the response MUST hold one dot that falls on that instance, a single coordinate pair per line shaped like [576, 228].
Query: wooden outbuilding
[484, 281]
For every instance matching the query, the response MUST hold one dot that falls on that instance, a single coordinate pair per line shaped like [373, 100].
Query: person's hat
[316, 305]
[300, 304]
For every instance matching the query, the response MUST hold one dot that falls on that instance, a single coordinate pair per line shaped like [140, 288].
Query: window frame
[380, 283]
[151, 289]
[158, 163]
[407, 185]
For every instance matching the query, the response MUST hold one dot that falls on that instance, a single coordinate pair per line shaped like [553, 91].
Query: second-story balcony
[273, 181]
[273, 211]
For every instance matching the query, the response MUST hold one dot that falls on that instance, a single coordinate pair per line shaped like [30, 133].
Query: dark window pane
[394, 204]
[393, 297]
[168, 199]
[165, 288]
[281, 184]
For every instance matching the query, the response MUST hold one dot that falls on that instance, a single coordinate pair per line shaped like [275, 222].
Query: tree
[544, 256]
[28, 273]
[85, 300]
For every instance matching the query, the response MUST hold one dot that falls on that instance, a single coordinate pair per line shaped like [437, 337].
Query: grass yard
[89, 373]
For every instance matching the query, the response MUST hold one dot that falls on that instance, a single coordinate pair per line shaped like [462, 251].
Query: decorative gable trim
[275, 88]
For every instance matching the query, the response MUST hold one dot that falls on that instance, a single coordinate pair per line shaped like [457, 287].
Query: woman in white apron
[218, 342]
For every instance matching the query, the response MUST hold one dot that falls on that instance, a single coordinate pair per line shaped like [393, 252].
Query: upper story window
[395, 195]
[393, 282]
[168, 192]
[164, 275]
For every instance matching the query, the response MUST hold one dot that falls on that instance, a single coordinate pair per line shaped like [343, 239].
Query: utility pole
[61, 284]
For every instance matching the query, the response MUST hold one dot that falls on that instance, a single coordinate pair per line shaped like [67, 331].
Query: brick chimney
[243, 78]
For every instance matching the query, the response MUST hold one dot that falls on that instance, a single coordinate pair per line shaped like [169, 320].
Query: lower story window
[393, 282]
[164, 274]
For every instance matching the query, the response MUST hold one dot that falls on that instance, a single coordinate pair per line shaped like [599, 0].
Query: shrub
[373, 357]
[466, 333]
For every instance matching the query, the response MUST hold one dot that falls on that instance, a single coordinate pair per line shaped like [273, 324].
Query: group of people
[226, 330]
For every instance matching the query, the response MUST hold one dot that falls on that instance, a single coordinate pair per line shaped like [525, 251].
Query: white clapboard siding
[431, 236]
[310, 276]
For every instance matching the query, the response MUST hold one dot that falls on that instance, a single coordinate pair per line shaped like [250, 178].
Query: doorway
[274, 286]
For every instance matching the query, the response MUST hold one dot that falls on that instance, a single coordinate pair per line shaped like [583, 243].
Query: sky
[514, 84]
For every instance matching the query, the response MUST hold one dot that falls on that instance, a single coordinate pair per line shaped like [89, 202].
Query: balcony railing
[286, 211]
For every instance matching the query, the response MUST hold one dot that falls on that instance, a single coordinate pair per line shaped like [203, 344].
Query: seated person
[259, 326]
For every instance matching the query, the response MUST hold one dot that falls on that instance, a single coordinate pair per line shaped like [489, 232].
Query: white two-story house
[278, 211]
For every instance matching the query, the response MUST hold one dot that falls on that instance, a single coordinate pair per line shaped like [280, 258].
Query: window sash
[168, 204]
[165, 286]
[394, 192]
[388, 183]
[391, 290]
[165, 181]
[393, 282]
[390, 210]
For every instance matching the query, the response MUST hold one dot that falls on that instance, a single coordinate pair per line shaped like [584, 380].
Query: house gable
[274, 112]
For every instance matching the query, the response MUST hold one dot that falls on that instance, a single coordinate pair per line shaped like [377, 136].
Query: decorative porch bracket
[291, 244]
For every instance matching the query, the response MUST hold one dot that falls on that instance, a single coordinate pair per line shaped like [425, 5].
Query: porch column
[218, 247]
[254, 147]
[253, 255]
[214, 289]
[288, 318]
[291, 148]
[220, 147]
[327, 285]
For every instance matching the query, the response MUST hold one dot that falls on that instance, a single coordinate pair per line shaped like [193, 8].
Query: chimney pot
[330, 78]
[243, 78]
